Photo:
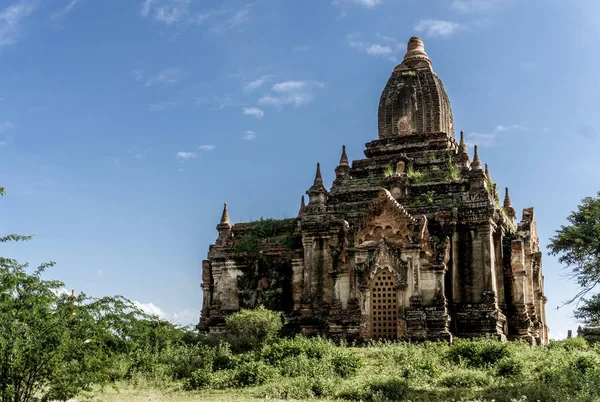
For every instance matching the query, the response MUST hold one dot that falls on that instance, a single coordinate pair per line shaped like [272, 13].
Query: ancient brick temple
[410, 243]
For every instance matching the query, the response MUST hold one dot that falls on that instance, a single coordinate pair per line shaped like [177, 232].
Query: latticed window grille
[383, 306]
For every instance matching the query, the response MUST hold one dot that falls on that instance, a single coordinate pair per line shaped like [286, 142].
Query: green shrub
[393, 389]
[510, 367]
[259, 325]
[345, 364]
[478, 353]
[577, 343]
[465, 379]
[198, 380]
[302, 366]
[253, 373]
[416, 177]
[297, 388]
[315, 348]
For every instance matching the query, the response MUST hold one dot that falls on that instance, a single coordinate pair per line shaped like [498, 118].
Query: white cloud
[488, 139]
[65, 10]
[185, 156]
[11, 19]
[5, 126]
[435, 28]
[364, 3]
[302, 48]
[100, 272]
[295, 93]
[151, 309]
[473, 6]
[168, 76]
[235, 20]
[166, 11]
[183, 317]
[253, 111]
[181, 170]
[484, 140]
[373, 49]
[159, 107]
[249, 135]
[206, 147]
[253, 85]
[2, 143]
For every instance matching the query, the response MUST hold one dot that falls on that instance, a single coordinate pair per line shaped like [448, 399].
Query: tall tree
[54, 344]
[577, 245]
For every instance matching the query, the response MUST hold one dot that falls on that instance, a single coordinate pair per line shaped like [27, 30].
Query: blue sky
[124, 125]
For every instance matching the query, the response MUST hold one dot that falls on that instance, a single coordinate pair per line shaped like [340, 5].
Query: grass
[316, 369]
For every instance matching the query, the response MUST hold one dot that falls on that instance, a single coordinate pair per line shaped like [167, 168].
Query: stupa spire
[487, 171]
[462, 146]
[507, 200]
[344, 157]
[476, 164]
[225, 216]
[415, 53]
[302, 206]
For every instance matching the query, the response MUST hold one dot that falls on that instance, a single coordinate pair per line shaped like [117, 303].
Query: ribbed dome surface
[414, 100]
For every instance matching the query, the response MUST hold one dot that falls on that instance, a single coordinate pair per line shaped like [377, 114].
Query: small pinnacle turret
[507, 201]
[508, 207]
[476, 164]
[225, 216]
[343, 169]
[317, 192]
[415, 53]
[302, 206]
[462, 146]
[487, 171]
[224, 227]
[344, 157]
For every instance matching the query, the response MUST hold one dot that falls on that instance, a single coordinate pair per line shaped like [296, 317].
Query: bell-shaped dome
[414, 100]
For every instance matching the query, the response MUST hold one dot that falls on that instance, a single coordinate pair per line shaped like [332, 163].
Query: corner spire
[302, 206]
[462, 146]
[225, 216]
[476, 164]
[507, 200]
[487, 171]
[344, 158]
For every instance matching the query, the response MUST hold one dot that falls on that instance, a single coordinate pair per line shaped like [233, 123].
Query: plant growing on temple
[453, 170]
[389, 171]
[577, 246]
[53, 345]
[416, 176]
[260, 324]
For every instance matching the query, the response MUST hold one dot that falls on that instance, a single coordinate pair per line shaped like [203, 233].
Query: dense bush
[479, 353]
[258, 325]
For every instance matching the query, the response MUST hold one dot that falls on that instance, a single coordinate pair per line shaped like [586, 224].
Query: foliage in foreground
[578, 247]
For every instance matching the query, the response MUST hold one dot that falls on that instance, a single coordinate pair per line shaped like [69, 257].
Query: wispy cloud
[168, 12]
[257, 83]
[235, 21]
[527, 65]
[62, 12]
[385, 50]
[100, 272]
[296, 93]
[185, 156]
[364, 3]
[249, 135]
[302, 48]
[159, 107]
[5, 126]
[488, 139]
[253, 111]
[168, 76]
[474, 6]
[206, 147]
[437, 28]
[11, 19]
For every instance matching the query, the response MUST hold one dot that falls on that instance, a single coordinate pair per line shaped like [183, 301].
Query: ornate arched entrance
[384, 305]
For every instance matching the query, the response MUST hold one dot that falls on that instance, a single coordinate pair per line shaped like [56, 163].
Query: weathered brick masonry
[411, 242]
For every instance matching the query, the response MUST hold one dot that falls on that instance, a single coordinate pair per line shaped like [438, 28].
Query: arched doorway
[384, 305]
